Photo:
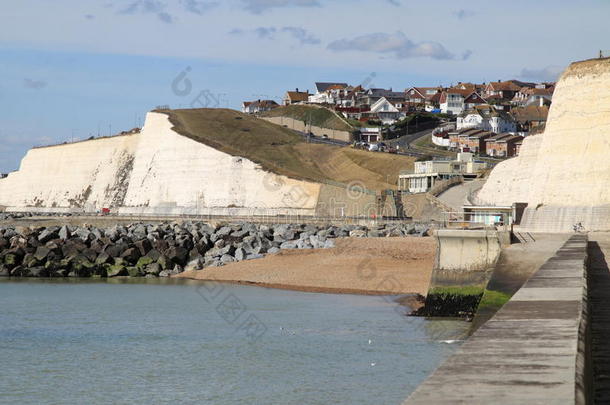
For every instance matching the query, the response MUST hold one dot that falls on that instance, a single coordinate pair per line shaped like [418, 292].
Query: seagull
[373, 364]
[370, 341]
[449, 341]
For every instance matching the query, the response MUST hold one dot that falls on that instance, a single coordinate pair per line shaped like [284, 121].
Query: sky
[71, 69]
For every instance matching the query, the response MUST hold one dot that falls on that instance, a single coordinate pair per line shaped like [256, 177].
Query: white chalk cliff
[157, 171]
[564, 173]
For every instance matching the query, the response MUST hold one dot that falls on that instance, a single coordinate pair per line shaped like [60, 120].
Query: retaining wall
[297, 125]
[465, 261]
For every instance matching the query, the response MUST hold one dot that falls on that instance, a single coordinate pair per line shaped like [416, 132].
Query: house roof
[510, 139]
[474, 97]
[530, 113]
[509, 85]
[423, 91]
[297, 95]
[465, 132]
[261, 104]
[487, 111]
[470, 86]
[385, 93]
[481, 135]
[321, 87]
[498, 137]
[376, 107]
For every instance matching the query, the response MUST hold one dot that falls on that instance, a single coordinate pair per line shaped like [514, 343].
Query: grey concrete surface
[455, 197]
[528, 352]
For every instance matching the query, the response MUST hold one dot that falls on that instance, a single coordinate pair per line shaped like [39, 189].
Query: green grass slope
[282, 151]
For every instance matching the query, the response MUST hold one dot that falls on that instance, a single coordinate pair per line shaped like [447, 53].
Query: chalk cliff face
[568, 165]
[156, 171]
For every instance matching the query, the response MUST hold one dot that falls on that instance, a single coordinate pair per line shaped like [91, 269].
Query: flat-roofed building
[426, 174]
[502, 145]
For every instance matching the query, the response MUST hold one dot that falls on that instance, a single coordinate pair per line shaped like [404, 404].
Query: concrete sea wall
[160, 172]
[465, 261]
[533, 351]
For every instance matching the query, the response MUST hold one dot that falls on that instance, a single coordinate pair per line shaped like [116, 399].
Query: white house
[329, 93]
[456, 100]
[386, 111]
[452, 101]
[254, 107]
[487, 118]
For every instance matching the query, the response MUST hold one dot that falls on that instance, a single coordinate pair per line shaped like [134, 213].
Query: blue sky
[70, 69]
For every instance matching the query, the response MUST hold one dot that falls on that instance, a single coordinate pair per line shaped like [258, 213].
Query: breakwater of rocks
[162, 250]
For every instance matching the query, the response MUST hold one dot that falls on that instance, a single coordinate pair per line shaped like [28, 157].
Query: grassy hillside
[284, 152]
[317, 116]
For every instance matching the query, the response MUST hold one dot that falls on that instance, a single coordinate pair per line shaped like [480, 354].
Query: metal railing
[476, 220]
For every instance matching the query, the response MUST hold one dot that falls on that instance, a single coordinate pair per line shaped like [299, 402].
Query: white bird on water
[373, 364]
[370, 341]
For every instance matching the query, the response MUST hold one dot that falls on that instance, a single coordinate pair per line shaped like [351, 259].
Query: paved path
[456, 195]
[527, 353]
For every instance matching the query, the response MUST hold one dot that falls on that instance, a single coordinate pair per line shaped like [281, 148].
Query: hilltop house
[329, 93]
[387, 112]
[371, 96]
[530, 118]
[423, 97]
[538, 95]
[487, 118]
[296, 97]
[255, 107]
[456, 100]
[504, 90]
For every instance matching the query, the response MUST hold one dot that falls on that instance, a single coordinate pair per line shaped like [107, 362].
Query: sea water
[155, 342]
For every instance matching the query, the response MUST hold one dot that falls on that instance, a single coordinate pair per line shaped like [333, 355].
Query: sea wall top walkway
[531, 351]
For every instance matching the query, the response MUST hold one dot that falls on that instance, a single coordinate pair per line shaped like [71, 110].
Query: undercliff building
[427, 174]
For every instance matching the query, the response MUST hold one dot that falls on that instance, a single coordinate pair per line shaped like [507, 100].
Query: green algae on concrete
[493, 299]
[454, 301]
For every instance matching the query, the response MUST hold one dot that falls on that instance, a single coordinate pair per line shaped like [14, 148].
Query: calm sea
[155, 342]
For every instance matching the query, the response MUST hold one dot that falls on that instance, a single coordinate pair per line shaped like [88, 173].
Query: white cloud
[260, 6]
[463, 13]
[300, 34]
[149, 7]
[198, 7]
[34, 84]
[397, 44]
[547, 74]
